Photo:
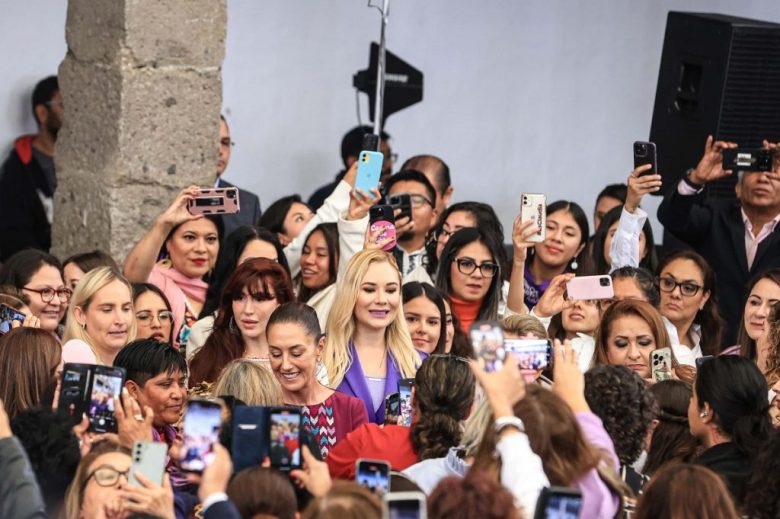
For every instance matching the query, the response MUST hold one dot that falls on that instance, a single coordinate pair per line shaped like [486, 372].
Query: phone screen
[562, 506]
[392, 409]
[405, 401]
[374, 475]
[7, 317]
[487, 340]
[285, 438]
[201, 432]
[106, 389]
[532, 354]
[404, 509]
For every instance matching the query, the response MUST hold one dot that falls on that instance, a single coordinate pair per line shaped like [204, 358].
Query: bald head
[438, 173]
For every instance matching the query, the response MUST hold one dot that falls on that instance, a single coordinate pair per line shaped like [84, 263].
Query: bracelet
[503, 422]
[687, 180]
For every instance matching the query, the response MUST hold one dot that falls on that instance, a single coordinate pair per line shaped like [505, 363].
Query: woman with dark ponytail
[729, 414]
[442, 397]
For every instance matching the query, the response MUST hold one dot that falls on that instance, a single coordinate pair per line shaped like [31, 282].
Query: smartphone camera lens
[604, 282]
[231, 194]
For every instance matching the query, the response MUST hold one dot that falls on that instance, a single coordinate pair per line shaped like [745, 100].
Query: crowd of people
[305, 307]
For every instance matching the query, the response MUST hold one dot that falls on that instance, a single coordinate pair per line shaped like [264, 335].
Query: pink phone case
[590, 287]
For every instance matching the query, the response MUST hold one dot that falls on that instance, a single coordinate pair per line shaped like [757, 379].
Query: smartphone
[284, 436]
[220, 200]
[402, 201]
[369, 170]
[8, 315]
[747, 159]
[405, 401]
[645, 153]
[661, 364]
[392, 409]
[105, 392]
[590, 287]
[531, 354]
[382, 216]
[250, 444]
[149, 459]
[701, 360]
[374, 475]
[487, 339]
[558, 503]
[533, 206]
[404, 505]
[74, 388]
[201, 431]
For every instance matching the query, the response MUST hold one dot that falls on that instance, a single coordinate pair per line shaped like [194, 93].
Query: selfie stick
[380, 71]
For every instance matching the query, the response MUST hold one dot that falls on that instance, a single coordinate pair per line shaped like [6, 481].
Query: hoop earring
[233, 327]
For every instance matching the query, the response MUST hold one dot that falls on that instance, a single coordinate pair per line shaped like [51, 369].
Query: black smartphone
[284, 436]
[392, 409]
[747, 159]
[701, 360]
[374, 475]
[558, 502]
[104, 396]
[381, 216]
[74, 389]
[531, 354]
[250, 444]
[201, 431]
[402, 201]
[405, 401]
[645, 153]
[8, 315]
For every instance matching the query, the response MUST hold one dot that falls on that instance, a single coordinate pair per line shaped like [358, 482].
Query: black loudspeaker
[719, 75]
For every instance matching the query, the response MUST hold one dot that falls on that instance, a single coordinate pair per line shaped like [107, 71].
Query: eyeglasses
[393, 157]
[106, 476]
[419, 200]
[47, 294]
[444, 234]
[467, 266]
[226, 143]
[687, 288]
[163, 316]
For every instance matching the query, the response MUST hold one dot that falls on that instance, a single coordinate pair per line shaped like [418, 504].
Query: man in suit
[739, 240]
[247, 201]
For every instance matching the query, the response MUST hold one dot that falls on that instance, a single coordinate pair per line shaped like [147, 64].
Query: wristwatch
[509, 421]
[687, 179]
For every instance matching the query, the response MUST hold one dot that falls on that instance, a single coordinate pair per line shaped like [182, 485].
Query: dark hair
[616, 191]
[476, 495]
[87, 261]
[643, 279]
[43, 93]
[411, 175]
[259, 491]
[224, 344]
[296, 313]
[709, 318]
[463, 237]
[142, 288]
[330, 232]
[737, 393]
[53, 451]
[227, 261]
[747, 346]
[415, 289]
[352, 142]
[29, 359]
[345, 500]
[672, 439]
[621, 399]
[273, 217]
[213, 218]
[19, 269]
[443, 181]
[580, 218]
[595, 261]
[144, 359]
[443, 394]
[761, 500]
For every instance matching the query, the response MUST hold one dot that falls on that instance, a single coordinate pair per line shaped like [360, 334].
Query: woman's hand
[360, 203]
[503, 388]
[217, 475]
[568, 380]
[132, 425]
[372, 240]
[177, 213]
[521, 232]
[685, 372]
[150, 498]
[314, 475]
[553, 301]
[639, 186]
[30, 321]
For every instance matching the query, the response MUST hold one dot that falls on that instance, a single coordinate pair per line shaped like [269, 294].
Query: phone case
[404, 504]
[661, 364]
[7, 317]
[381, 216]
[250, 445]
[221, 200]
[76, 379]
[405, 401]
[201, 430]
[747, 159]
[533, 206]
[369, 170]
[149, 459]
[402, 201]
[392, 409]
[487, 339]
[590, 287]
[645, 153]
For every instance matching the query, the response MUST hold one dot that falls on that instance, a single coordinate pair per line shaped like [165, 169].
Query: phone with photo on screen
[8, 315]
[405, 401]
[404, 505]
[558, 503]
[218, 200]
[533, 206]
[284, 437]
[487, 339]
[531, 354]
[106, 389]
[374, 475]
[201, 431]
[392, 409]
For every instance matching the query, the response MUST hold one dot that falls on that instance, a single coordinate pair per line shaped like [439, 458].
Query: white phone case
[533, 206]
[661, 364]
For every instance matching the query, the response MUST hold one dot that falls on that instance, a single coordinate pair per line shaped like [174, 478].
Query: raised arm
[624, 251]
[521, 231]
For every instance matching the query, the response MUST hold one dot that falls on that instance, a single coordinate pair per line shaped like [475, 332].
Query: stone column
[142, 92]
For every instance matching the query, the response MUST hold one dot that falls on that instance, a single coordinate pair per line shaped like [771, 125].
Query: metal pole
[380, 72]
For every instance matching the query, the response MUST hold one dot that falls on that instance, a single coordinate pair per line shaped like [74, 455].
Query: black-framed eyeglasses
[146, 316]
[106, 476]
[47, 294]
[467, 266]
[419, 200]
[444, 233]
[687, 288]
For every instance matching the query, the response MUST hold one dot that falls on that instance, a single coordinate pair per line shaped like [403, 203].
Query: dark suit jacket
[716, 231]
[222, 510]
[250, 212]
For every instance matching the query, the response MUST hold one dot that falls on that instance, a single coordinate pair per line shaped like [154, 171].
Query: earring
[233, 327]
[84, 326]
[574, 264]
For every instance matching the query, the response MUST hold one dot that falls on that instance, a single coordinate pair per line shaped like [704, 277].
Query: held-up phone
[661, 364]
[284, 436]
[645, 153]
[374, 475]
[107, 383]
[392, 409]
[533, 206]
[531, 354]
[590, 287]
[402, 201]
[149, 459]
[405, 401]
[8, 315]
[381, 216]
[487, 339]
[76, 379]
[201, 432]
[368, 171]
[221, 200]
[558, 503]
[250, 444]
[747, 159]
[404, 505]
[701, 360]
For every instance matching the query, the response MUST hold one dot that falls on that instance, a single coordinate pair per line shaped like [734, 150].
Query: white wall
[535, 95]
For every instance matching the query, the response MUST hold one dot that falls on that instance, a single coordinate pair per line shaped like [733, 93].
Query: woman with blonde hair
[100, 319]
[249, 382]
[368, 345]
